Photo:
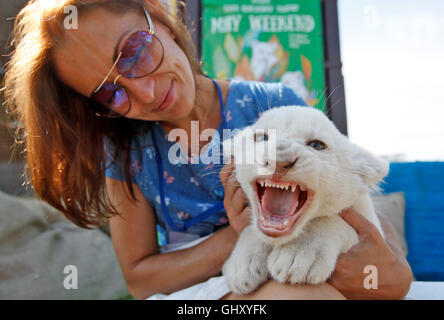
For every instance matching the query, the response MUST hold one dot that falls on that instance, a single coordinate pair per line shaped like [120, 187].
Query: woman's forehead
[86, 54]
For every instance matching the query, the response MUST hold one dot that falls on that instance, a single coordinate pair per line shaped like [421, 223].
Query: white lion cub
[296, 234]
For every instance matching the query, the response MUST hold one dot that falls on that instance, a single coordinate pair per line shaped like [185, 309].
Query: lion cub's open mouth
[281, 204]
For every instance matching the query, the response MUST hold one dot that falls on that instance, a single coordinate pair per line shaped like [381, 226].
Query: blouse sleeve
[113, 169]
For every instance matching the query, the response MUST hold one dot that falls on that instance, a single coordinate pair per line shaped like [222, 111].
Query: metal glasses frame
[151, 32]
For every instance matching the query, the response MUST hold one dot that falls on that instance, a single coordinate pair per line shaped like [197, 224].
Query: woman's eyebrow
[116, 53]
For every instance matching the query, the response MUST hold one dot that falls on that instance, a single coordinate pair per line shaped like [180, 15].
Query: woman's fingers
[238, 200]
[230, 187]
[235, 200]
[363, 227]
[225, 173]
[228, 179]
[357, 221]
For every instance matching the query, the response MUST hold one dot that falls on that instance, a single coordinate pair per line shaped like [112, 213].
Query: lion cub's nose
[286, 164]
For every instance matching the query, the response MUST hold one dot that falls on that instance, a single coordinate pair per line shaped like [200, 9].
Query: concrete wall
[8, 10]
[10, 172]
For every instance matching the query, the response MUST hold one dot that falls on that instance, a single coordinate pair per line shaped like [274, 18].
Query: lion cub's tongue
[279, 202]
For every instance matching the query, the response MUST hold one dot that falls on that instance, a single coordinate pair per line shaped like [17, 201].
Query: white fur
[341, 176]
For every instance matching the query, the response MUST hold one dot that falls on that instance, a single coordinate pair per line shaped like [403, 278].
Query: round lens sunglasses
[141, 55]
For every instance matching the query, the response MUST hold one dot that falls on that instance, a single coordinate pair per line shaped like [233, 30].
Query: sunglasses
[141, 55]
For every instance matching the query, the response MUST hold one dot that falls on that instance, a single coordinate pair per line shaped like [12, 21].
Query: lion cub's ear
[371, 168]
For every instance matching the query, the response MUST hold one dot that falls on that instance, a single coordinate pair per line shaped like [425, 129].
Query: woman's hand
[393, 271]
[235, 200]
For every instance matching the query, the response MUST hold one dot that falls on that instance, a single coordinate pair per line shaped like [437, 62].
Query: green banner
[266, 40]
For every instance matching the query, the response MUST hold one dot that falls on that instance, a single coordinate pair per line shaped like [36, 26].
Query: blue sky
[393, 65]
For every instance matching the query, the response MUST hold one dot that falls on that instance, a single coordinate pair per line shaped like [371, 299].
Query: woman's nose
[140, 90]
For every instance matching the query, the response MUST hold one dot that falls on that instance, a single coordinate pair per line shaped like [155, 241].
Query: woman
[123, 79]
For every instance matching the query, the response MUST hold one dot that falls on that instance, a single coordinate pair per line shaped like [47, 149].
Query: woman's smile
[167, 100]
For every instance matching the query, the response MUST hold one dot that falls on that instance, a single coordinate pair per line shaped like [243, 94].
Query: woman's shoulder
[269, 94]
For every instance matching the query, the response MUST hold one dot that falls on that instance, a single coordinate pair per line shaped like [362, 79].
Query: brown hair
[63, 139]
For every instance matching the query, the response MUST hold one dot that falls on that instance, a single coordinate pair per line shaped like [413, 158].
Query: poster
[266, 40]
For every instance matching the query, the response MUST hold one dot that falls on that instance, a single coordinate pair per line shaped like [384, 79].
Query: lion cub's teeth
[269, 184]
[303, 188]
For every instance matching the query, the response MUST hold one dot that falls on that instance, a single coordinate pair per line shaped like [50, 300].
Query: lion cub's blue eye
[317, 145]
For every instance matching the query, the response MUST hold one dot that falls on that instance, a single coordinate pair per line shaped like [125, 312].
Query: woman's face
[86, 56]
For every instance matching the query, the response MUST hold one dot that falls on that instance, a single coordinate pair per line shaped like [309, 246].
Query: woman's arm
[391, 238]
[146, 271]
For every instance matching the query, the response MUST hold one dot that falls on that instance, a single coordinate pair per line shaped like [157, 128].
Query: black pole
[193, 21]
[334, 81]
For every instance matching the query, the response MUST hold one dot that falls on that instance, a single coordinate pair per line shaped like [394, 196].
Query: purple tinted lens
[140, 55]
[120, 99]
[113, 97]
